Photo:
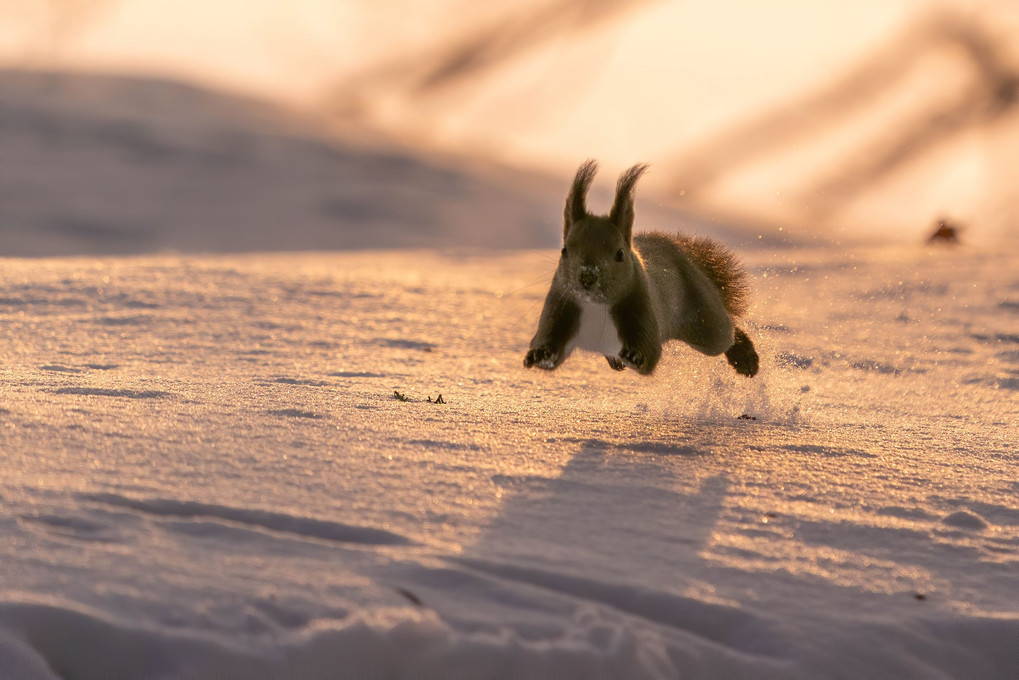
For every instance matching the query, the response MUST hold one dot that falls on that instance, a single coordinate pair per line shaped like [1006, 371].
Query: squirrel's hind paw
[742, 356]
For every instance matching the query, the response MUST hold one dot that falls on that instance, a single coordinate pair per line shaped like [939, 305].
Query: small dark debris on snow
[400, 396]
[944, 233]
[410, 596]
[746, 416]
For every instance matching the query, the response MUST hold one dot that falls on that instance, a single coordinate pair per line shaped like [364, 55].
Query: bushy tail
[723, 267]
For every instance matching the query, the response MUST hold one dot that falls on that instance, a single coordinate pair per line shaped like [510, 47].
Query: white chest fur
[597, 332]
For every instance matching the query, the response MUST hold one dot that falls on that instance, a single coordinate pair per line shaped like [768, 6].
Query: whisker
[543, 279]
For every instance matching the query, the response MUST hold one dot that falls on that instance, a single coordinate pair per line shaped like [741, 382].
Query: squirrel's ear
[622, 209]
[576, 207]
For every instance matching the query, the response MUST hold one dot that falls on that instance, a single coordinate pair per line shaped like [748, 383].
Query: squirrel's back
[717, 262]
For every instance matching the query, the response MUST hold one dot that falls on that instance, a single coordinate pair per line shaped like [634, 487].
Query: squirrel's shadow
[608, 516]
[618, 531]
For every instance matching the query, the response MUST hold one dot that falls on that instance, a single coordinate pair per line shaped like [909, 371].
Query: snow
[224, 456]
[207, 473]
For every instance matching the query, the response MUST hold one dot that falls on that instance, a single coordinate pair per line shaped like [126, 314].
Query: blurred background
[233, 125]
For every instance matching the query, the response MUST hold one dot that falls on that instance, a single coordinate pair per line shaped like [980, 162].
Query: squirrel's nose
[588, 276]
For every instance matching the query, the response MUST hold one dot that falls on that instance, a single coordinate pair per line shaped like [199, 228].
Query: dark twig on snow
[400, 396]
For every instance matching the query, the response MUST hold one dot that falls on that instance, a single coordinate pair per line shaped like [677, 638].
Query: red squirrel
[624, 295]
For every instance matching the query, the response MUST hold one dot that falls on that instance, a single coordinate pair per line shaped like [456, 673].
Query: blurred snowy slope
[97, 164]
[111, 165]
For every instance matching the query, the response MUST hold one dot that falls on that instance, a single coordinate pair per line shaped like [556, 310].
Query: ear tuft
[576, 200]
[622, 208]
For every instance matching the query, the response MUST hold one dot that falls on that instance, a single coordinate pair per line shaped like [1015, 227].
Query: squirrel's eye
[563, 251]
[619, 255]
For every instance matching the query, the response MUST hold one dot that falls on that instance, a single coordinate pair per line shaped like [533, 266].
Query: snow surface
[207, 474]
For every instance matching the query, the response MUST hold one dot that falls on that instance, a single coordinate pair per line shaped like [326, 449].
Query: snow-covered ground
[206, 474]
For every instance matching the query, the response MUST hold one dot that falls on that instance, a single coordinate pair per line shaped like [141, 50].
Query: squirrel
[624, 295]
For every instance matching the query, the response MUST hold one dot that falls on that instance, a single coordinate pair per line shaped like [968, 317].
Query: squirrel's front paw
[542, 357]
[616, 363]
[633, 358]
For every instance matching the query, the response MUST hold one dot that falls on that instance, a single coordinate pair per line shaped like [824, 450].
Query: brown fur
[722, 267]
[625, 295]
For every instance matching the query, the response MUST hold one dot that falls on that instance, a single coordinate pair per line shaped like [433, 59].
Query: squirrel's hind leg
[742, 355]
